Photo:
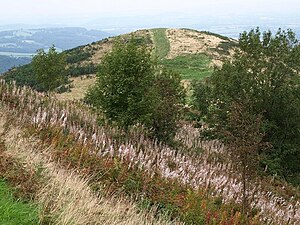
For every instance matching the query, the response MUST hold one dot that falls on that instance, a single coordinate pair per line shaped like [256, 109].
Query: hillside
[191, 53]
[57, 145]
[79, 169]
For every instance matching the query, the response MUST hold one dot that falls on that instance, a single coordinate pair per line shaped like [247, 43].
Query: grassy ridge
[13, 211]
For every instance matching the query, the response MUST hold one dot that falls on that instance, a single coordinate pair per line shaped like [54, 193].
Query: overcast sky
[50, 11]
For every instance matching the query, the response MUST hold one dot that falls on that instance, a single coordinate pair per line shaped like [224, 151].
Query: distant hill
[8, 62]
[18, 46]
[29, 40]
[191, 53]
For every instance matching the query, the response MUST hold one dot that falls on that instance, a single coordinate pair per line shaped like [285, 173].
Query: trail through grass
[190, 66]
[161, 42]
[14, 211]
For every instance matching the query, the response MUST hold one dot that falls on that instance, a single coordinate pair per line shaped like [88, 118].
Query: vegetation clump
[131, 89]
[262, 79]
[49, 69]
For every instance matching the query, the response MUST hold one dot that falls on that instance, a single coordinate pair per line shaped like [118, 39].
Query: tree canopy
[49, 69]
[264, 72]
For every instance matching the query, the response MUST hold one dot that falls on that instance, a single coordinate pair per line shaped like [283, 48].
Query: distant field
[14, 211]
[190, 66]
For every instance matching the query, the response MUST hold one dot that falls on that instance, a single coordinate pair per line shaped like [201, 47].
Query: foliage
[244, 137]
[49, 69]
[17, 188]
[22, 75]
[131, 89]
[201, 96]
[170, 97]
[77, 55]
[170, 198]
[265, 73]
[112, 157]
[75, 70]
[123, 88]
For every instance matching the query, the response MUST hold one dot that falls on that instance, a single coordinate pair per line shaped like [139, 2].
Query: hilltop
[172, 47]
[191, 53]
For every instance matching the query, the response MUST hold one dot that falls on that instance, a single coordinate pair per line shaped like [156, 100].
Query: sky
[81, 11]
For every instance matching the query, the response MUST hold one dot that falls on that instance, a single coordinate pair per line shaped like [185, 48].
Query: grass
[170, 198]
[161, 42]
[15, 211]
[79, 89]
[190, 67]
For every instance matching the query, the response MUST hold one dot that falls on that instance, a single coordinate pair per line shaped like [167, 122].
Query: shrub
[49, 69]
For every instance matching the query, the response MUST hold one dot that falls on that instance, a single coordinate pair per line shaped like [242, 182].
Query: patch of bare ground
[99, 49]
[184, 41]
[80, 86]
[66, 197]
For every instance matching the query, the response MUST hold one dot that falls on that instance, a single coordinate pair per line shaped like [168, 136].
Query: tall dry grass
[198, 171]
[65, 196]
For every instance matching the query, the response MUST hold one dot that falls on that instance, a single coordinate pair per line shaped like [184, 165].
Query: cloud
[26, 10]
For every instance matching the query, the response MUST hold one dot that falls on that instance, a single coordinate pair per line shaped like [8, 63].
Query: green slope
[190, 67]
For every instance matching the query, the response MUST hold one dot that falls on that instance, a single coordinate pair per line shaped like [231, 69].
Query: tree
[132, 89]
[265, 73]
[123, 89]
[49, 69]
[244, 137]
[168, 105]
